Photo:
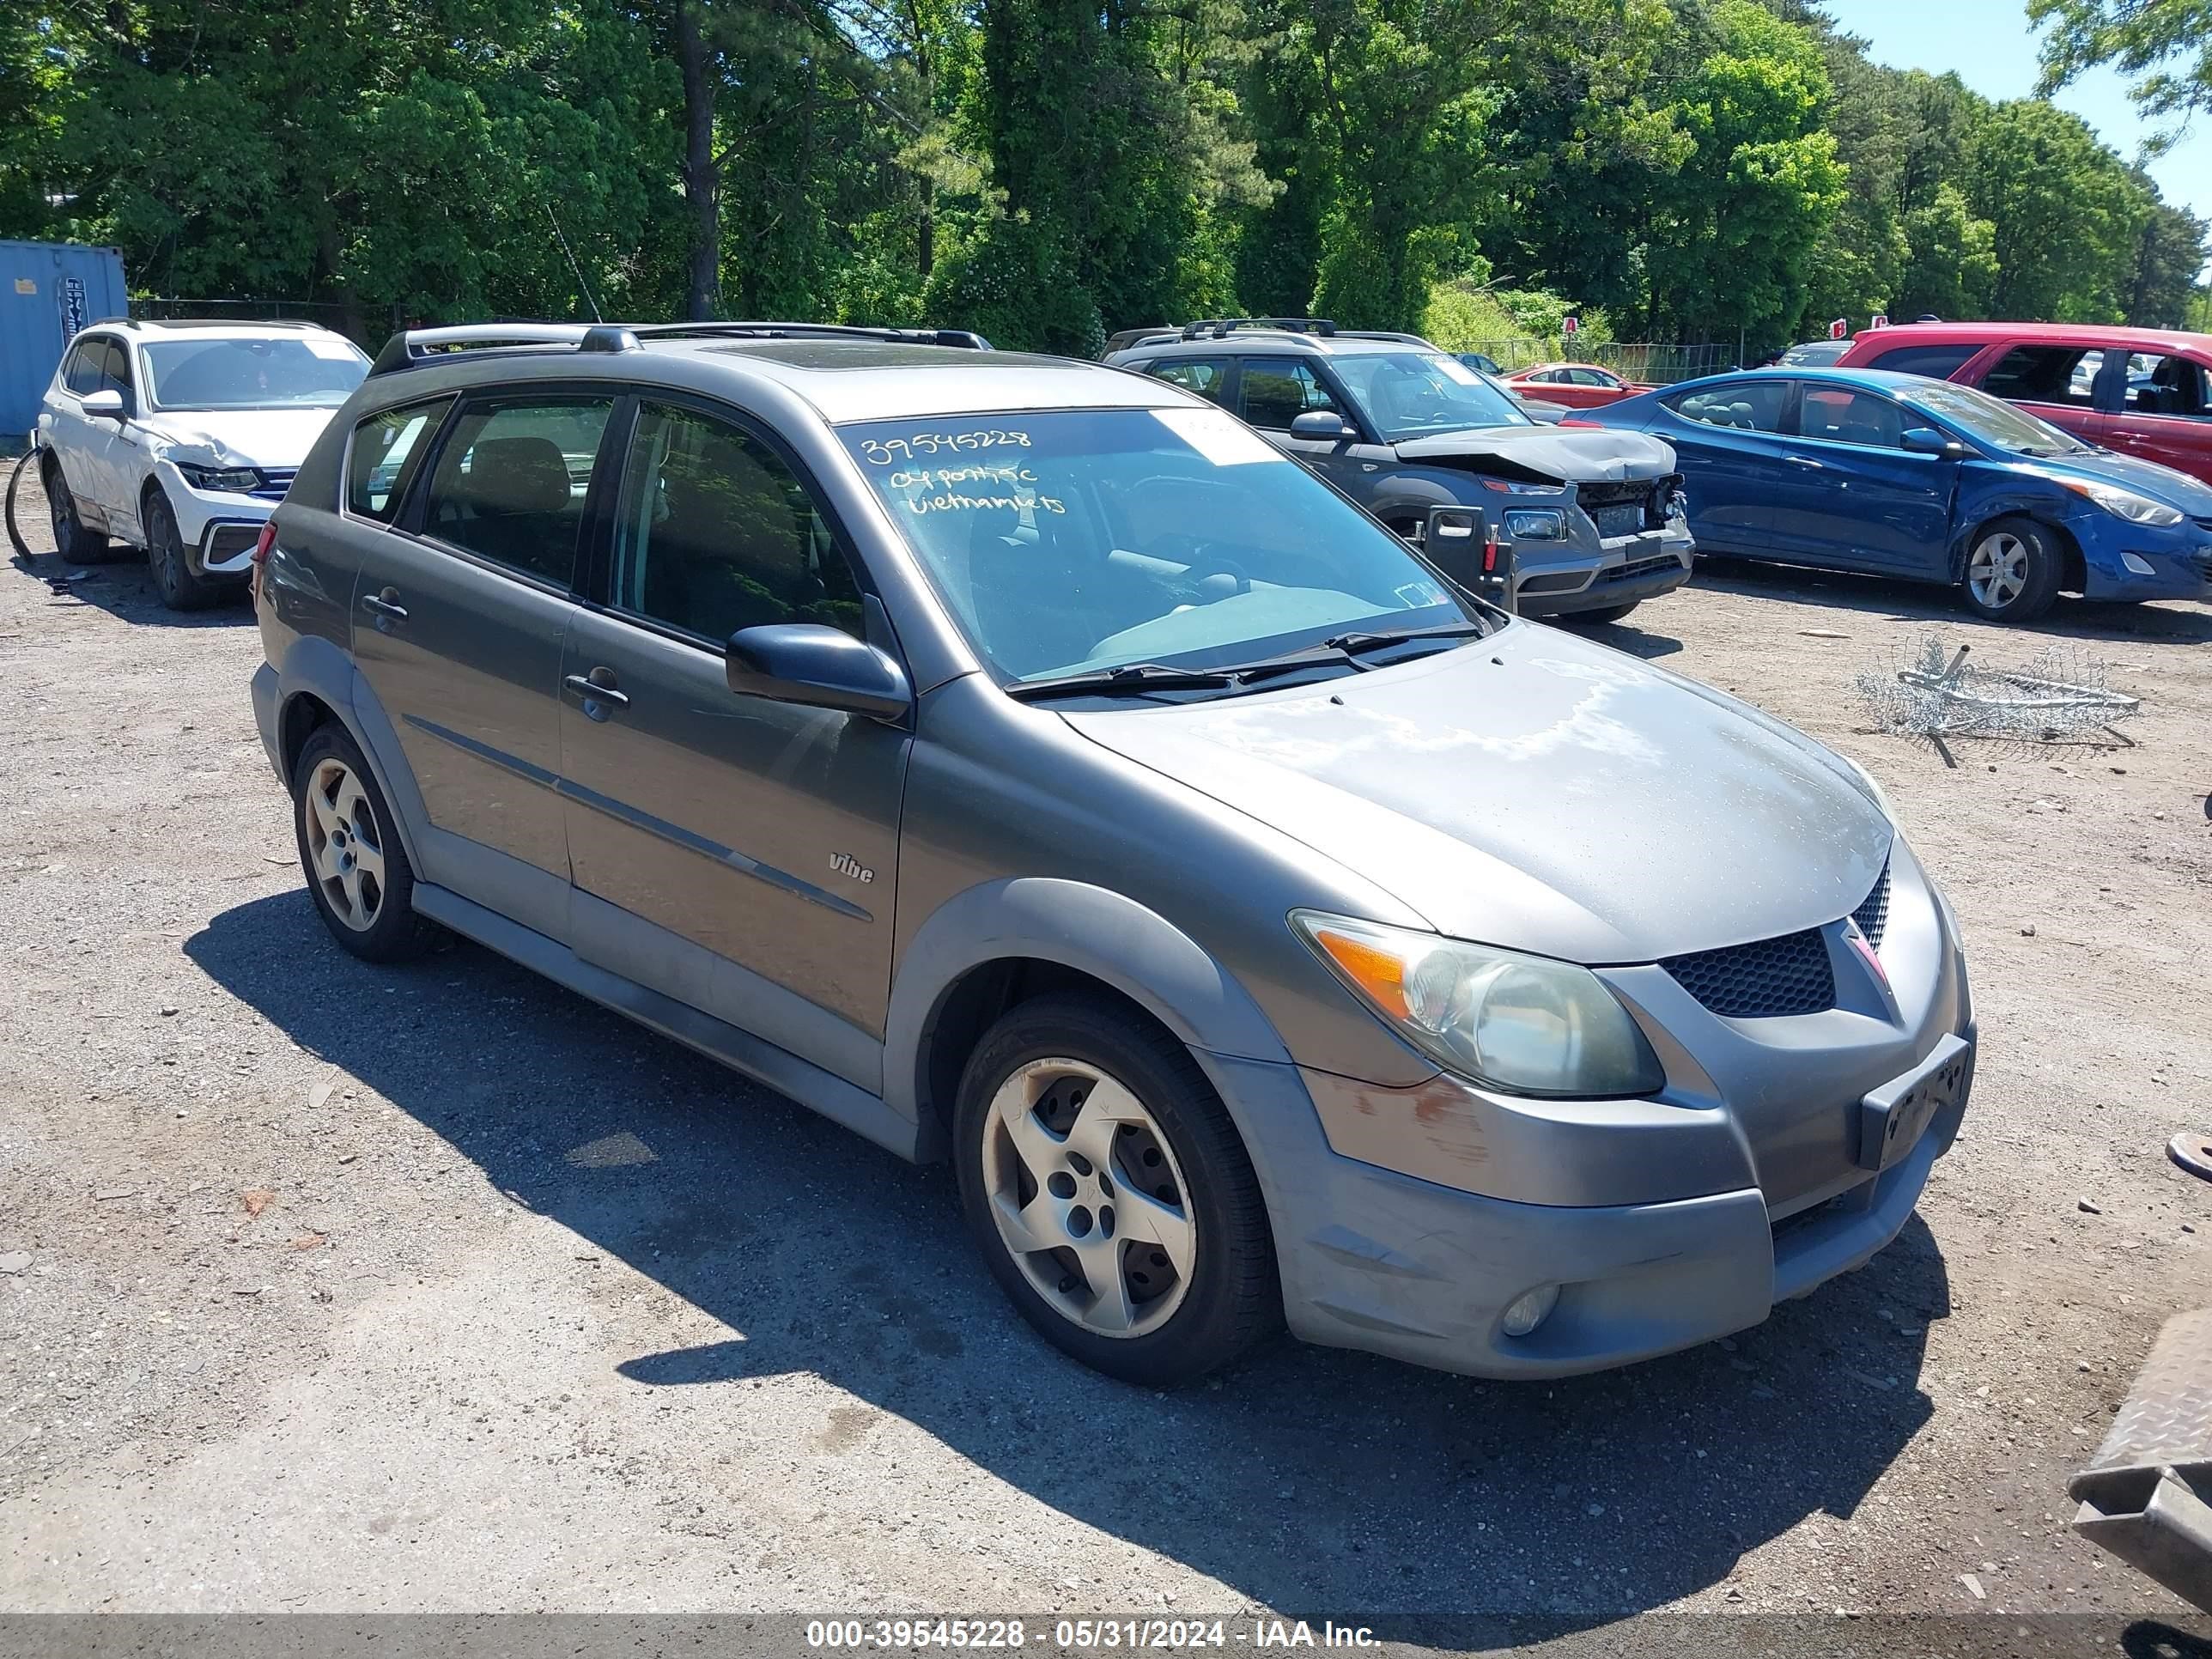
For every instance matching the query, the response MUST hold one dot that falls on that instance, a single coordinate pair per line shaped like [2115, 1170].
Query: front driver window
[717, 534]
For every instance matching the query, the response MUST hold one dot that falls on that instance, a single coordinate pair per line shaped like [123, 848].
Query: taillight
[263, 541]
[1490, 552]
[1567, 420]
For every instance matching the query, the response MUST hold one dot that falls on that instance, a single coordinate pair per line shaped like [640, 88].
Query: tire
[180, 586]
[71, 539]
[1611, 613]
[2012, 571]
[356, 869]
[1158, 1317]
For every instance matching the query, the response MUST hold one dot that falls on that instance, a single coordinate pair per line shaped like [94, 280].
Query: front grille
[275, 480]
[1872, 913]
[1635, 568]
[1767, 980]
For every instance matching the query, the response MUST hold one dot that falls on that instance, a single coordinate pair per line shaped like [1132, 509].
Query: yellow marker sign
[25, 285]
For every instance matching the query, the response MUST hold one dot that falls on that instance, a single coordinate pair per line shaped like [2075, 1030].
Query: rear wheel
[181, 588]
[356, 869]
[2012, 571]
[1107, 1188]
[71, 539]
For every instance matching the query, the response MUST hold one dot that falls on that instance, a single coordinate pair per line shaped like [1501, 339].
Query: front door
[1850, 495]
[1276, 391]
[460, 619]
[737, 853]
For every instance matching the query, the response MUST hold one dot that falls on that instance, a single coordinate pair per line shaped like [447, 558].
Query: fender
[1408, 492]
[1980, 497]
[318, 667]
[1105, 934]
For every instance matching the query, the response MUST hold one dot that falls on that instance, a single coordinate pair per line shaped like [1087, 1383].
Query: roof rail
[208, 322]
[416, 346]
[1221, 327]
[965, 339]
[1398, 335]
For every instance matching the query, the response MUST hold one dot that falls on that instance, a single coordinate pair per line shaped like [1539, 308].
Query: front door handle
[386, 603]
[1802, 461]
[597, 686]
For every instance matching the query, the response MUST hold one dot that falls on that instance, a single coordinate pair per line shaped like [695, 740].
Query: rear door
[1850, 495]
[70, 432]
[460, 613]
[2162, 412]
[1728, 440]
[1209, 377]
[737, 853]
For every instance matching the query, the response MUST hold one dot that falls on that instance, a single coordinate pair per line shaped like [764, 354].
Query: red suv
[2143, 391]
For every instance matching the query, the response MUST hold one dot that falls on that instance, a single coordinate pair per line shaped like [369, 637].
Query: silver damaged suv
[1024, 762]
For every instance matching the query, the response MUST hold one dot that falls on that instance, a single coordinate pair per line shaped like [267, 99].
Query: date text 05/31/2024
[1081, 1635]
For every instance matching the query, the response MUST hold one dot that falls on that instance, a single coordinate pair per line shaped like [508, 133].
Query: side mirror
[820, 667]
[104, 404]
[1323, 424]
[1468, 546]
[1927, 440]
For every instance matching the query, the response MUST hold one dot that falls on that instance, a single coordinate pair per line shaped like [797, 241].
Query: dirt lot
[439, 1288]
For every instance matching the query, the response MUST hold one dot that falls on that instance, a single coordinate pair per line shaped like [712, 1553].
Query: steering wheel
[1206, 567]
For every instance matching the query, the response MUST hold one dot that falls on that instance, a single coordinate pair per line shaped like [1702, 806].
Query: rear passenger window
[717, 534]
[386, 450]
[1937, 362]
[2045, 374]
[1748, 406]
[509, 483]
[1206, 376]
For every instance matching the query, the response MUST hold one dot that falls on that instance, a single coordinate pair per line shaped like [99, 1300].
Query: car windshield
[1067, 542]
[1992, 420]
[1407, 393]
[309, 373]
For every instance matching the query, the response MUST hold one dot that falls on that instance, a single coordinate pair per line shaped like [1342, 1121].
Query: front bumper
[1392, 1265]
[1596, 575]
[218, 526]
[2123, 561]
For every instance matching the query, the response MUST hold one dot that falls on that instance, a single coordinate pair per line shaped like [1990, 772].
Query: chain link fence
[1650, 363]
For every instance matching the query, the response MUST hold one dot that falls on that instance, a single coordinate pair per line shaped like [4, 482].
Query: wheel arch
[2073, 569]
[319, 685]
[1003, 942]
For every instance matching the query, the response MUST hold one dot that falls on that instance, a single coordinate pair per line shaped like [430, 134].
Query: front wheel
[1104, 1182]
[181, 588]
[2012, 571]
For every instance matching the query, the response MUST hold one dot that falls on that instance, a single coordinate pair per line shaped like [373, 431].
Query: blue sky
[1987, 43]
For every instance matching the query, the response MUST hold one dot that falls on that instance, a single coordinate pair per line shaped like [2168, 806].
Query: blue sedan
[1901, 475]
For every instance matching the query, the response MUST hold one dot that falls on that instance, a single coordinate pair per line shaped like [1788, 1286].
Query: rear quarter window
[383, 456]
[1937, 362]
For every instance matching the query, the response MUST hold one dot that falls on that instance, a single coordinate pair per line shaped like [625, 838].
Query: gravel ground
[332, 1288]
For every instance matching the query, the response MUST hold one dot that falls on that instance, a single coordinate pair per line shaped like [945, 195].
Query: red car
[2142, 391]
[1579, 385]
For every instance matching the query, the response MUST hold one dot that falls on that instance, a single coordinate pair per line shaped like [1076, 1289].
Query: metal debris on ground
[2059, 697]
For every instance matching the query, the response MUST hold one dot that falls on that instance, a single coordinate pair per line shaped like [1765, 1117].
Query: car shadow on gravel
[124, 587]
[1316, 1482]
[1923, 602]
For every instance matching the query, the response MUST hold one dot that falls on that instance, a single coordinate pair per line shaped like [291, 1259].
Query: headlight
[2135, 509]
[239, 478]
[1536, 524]
[1522, 1024]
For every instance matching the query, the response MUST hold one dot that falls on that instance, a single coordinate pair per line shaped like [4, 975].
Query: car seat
[729, 554]
[518, 509]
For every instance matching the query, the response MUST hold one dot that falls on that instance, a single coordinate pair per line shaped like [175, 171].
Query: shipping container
[48, 290]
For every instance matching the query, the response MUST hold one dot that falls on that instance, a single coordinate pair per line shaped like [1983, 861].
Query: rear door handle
[593, 689]
[386, 603]
[1802, 461]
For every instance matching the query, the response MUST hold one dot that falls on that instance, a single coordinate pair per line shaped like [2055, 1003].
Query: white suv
[181, 437]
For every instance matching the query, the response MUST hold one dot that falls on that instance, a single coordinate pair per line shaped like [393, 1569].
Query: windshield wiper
[1350, 643]
[1131, 677]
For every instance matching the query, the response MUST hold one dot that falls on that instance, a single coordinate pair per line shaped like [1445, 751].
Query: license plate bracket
[1893, 1118]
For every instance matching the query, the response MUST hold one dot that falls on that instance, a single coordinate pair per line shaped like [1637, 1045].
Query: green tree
[2168, 43]
[2170, 251]
[2064, 211]
[1951, 266]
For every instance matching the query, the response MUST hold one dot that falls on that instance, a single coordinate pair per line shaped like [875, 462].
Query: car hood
[239, 437]
[2177, 489]
[1575, 455]
[1537, 790]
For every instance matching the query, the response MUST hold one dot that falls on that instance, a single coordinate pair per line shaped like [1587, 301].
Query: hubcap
[345, 852]
[1089, 1198]
[1998, 572]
